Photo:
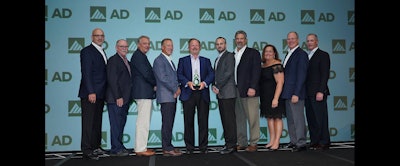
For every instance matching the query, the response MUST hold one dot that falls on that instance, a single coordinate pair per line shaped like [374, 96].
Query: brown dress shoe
[148, 152]
[240, 147]
[251, 148]
[174, 152]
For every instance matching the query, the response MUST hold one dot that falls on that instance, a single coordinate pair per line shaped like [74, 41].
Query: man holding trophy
[195, 75]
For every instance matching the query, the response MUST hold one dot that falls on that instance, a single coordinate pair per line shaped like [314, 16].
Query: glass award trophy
[196, 80]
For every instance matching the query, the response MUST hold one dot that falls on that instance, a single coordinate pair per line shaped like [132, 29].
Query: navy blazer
[248, 72]
[295, 75]
[119, 82]
[184, 72]
[94, 74]
[318, 73]
[167, 79]
[142, 77]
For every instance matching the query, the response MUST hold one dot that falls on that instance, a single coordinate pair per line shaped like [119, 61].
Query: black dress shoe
[299, 149]
[322, 147]
[189, 151]
[227, 150]
[120, 153]
[203, 151]
[91, 156]
[313, 146]
[99, 151]
[290, 145]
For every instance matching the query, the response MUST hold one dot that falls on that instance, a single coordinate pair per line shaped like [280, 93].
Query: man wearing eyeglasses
[119, 85]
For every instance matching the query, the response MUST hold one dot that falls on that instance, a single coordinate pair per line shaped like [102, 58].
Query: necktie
[127, 64]
[285, 60]
[104, 56]
[173, 65]
[216, 62]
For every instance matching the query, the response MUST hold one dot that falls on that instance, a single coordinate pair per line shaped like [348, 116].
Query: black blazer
[318, 73]
[94, 74]
[119, 82]
[248, 71]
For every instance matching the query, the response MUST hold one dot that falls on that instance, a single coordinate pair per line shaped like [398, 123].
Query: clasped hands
[191, 85]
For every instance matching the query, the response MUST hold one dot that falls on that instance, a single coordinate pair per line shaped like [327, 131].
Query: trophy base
[196, 87]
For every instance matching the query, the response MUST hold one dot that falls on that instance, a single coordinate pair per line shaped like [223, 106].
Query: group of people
[247, 86]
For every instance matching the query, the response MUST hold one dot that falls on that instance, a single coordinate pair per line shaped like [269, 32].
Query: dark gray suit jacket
[119, 83]
[225, 76]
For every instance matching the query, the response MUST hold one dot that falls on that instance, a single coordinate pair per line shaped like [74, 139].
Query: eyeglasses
[98, 35]
[123, 46]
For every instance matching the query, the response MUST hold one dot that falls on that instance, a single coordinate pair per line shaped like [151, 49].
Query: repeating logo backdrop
[68, 26]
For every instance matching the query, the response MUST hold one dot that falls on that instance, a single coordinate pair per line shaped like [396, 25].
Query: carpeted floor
[340, 154]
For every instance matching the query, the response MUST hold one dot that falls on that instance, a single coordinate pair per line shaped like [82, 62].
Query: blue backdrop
[68, 26]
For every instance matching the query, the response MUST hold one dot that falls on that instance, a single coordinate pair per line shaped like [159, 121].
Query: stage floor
[339, 154]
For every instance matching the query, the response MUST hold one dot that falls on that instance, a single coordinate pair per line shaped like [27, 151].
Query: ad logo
[284, 47]
[307, 17]
[132, 44]
[263, 134]
[207, 15]
[104, 139]
[352, 76]
[340, 103]
[257, 16]
[75, 45]
[98, 14]
[184, 46]
[212, 135]
[74, 108]
[154, 138]
[350, 17]
[152, 15]
[339, 46]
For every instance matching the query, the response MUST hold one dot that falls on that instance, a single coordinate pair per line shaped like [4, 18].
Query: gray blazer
[166, 78]
[225, 76]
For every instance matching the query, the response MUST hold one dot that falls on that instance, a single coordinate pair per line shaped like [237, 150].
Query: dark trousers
[117, 117]
[317, 120]
[190, 106]
[228, 119]
[168, 111]
[92, 116]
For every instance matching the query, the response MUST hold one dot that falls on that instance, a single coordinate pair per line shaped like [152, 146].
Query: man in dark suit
[317, 92]
[166, 94]
[195, 75]
[143, 91]
[92, 92]
[225, 88]
[247, 74]
[118, 96]
[294, 92]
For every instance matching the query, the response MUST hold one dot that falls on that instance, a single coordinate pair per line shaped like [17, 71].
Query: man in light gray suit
[166, 94]
[225, 89]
